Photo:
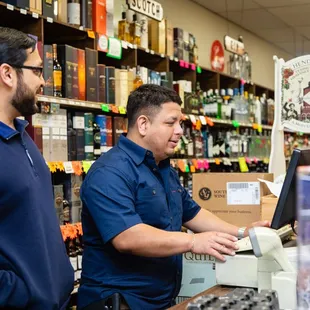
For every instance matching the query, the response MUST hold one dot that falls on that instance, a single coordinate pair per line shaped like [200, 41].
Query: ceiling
[284, 23]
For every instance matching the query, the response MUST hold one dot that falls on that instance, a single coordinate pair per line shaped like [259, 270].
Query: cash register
[267, 258]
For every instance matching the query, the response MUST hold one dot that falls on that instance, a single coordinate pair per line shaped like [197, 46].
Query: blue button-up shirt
[124, 188]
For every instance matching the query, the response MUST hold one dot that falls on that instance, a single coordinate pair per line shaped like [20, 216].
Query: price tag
[115, 48]
[243, 165]
[186, 64]
[105, 108]
[23, 11]
[182, 63]
[206, 164]
[171, 58]
[135, 46]
[130, 45]
[35, 15]
[124, 44]
[49, 20]
[176, 59]
[162, 55]
[81, 28]
[122, 110]
[203, 120]
[193, 119]
[91, 34]
[86, 165]
[217, 161]
[260, 129]
[68, 167]
[192, 169]
[152, 52]
[10, 7]
[63, 101]
[147, 50]
[71, 102]
[115, 109]
[193, 67]
[198, 69]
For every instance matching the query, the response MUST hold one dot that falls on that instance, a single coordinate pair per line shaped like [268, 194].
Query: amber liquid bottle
[137, 81]
[57, 74]
[123, 28]
[135, 31]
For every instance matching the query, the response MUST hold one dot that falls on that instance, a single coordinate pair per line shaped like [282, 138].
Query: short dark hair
[147, 99]
[14, 45]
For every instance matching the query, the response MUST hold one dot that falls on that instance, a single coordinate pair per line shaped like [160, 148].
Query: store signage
[295, 97]
[233, 46]
[150, 8]
[217, 56]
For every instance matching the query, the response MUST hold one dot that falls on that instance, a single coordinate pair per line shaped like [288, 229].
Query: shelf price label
[86, 165]
[105, 108]
[122, 110]
[91, 34]
[68, 167]
[243, 165]
[115, 109]
[10, 7]
[193, 67]
[235, 124]
[182, 63]
[198, 69]
[23, 11]
[217, 161]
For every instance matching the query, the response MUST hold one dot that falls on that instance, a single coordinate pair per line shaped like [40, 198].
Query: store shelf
[74, 103]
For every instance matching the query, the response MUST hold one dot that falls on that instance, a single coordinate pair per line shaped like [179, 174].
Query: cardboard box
[234, 197]
[269, 204]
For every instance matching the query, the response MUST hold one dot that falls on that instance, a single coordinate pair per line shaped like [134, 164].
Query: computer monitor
[285, 212]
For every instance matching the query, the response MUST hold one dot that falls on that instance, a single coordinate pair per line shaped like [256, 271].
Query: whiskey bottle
[57, 74]
[135, 31]
[137, 81]
[123, 28]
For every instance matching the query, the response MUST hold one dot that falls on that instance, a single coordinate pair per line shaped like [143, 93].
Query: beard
[24, 99]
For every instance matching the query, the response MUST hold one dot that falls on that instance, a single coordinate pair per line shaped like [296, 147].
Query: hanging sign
[149, 8]
[295, 89]
[217, 56]
[233, 46]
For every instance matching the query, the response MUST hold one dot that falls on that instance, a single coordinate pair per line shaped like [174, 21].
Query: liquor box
[99, 16]
[91, 57]
[48, 70]
[48, 8]
[110, 85]
[81, 74]
[101, 83]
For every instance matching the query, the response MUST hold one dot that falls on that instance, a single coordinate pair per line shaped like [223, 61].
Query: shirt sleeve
[109, 198]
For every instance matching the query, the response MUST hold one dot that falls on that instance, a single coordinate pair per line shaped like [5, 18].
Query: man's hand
[214, 244]
[257, 224]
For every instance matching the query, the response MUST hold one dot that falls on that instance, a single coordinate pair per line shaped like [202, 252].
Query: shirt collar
[7, 132]
[135, 151]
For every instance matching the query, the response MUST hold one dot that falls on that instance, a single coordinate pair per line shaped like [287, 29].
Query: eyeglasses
[38, 71]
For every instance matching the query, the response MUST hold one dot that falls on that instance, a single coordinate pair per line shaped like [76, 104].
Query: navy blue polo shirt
[35, 272]
[124, 188]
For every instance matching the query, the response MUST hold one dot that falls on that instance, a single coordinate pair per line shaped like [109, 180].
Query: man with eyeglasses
[35, 272]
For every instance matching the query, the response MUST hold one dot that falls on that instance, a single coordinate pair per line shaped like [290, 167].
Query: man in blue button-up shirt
[134, 208]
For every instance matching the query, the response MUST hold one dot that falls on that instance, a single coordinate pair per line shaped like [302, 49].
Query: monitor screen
[285, 212]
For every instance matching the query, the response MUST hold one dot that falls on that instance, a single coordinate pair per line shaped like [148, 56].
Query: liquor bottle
[74, 12]
[97, 140]
[57, 74]
[135, 31]
[123, 28]
[137, 81]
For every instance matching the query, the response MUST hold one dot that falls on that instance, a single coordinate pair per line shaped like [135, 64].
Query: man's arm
[14, 293]
[206, 221]
[112, 208]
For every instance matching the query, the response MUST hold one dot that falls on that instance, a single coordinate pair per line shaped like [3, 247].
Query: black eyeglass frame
[38, 71]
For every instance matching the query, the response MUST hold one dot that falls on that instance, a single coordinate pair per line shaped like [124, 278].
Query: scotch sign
[149, 8]
[295, 94]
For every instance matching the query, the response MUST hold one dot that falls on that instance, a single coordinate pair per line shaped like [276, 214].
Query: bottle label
[74, 13]
[138, 30]
[57, 76]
